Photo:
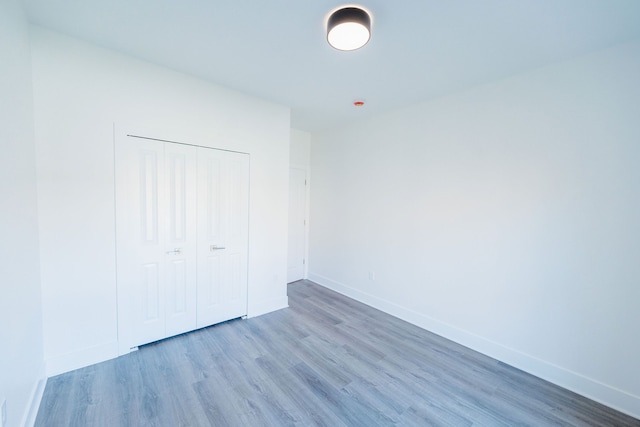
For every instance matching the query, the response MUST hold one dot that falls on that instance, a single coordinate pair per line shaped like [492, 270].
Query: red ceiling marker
[358, 103]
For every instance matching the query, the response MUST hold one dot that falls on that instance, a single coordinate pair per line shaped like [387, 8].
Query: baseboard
[31, 412]
[578, 383]
[79, 359]
[267, 306]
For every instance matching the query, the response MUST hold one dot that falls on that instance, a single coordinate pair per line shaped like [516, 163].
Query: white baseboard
[267, 306]
[31, 412]
[79, 359]
[578, 383]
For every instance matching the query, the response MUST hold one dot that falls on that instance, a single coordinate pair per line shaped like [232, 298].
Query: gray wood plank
[326, 361]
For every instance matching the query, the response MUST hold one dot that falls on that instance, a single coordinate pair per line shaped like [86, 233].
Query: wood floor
[326, 361]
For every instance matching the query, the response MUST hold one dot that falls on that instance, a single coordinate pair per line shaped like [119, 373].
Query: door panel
[180, 241]
[139, 242]
[177, 287]
[223, 211]
[297, 225]
[210, 285]
[150, 285]
[149, 175]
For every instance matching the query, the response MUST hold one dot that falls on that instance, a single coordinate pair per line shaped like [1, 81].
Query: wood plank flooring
[325, 361]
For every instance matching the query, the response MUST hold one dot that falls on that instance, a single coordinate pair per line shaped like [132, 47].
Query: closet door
[180, 242]
[155, 240]
[223, 218]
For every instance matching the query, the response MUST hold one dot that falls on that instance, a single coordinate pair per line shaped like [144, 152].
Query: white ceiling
[276, 50]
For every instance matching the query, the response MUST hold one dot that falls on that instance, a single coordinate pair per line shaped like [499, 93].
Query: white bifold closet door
[181, 238]
[223, 218]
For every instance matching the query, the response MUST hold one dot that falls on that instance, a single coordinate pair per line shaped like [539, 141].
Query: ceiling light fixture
[348, 28]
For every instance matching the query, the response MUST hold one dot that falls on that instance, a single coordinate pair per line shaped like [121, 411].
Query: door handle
[175, 251]
[216, 248]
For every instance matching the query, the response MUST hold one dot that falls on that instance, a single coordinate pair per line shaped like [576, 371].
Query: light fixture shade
[349, 28]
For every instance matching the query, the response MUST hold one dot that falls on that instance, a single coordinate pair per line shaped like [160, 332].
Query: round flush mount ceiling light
[348, 28]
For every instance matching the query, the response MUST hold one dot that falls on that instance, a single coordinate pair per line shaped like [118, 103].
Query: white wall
[300, 149]
[505, 218]
[21, 354]
[80, 92]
